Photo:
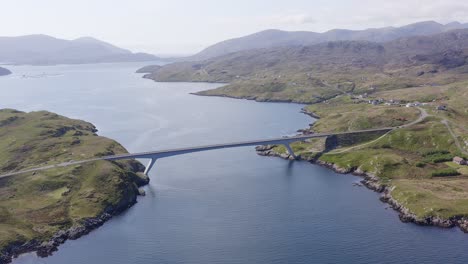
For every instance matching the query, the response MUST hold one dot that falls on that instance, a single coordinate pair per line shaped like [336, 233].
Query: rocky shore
[373, 183]
[47, 248]
[253, 98]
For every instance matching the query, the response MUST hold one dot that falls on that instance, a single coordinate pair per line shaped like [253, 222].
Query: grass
[36, 205]
[343, 114]
[316, 73]
[415, 161]
[441, 197]
[328, 81]
[445, 172]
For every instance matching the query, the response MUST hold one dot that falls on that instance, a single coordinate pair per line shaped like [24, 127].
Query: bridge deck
[180, 151]
[282, 140]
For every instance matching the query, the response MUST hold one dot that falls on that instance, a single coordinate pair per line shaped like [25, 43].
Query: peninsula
[41, 210]
[417, 84]
[4, 71]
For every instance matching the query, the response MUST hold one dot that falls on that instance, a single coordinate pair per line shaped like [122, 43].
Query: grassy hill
[410, 162]
[277, 38]
[40, 210]
[311, 74]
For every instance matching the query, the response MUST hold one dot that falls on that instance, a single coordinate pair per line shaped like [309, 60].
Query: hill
[43, 49]
[277, 38]
[39, 211]
[411, 166]
[310, 74]
[4, 71]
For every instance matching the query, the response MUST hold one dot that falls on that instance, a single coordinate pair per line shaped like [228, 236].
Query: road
[422, 115]
[153, 155]
[455, 138]
[180, 151]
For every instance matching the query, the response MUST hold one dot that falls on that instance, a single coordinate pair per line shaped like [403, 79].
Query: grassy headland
[412, 164]
[40, 210]
[353, 85]
[315, 73]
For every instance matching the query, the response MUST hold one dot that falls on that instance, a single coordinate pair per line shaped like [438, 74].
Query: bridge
[155, 155]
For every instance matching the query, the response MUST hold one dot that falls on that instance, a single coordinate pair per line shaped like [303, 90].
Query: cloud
[294, 19]
[398, 12]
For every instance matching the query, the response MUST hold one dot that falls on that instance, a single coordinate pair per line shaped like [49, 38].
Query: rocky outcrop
[309, 113]
[48, 247]
[85, 226]
[268, 150]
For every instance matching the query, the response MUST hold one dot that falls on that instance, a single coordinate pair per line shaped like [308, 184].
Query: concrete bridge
[155, 155]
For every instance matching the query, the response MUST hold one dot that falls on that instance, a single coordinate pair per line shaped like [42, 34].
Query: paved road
[180, 151]
[422, 115]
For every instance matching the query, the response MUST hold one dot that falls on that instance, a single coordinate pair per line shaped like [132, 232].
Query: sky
[182, 27]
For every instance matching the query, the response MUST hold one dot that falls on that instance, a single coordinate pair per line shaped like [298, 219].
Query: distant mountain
[4, 71]
[278, 38]
[43, 49]
[314, 73]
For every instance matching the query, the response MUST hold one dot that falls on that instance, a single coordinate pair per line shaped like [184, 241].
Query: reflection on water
[223, 206]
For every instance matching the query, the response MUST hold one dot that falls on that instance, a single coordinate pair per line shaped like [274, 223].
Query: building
[459, 161]
[442, 107]
[413, 104]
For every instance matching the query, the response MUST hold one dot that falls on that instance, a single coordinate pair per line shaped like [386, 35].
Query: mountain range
[45, 50]
[313, 73]
[277, 38]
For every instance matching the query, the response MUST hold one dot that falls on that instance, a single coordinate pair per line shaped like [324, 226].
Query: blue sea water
[223, 206]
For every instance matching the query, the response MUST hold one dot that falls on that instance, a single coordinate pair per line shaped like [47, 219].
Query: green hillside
[34, 207]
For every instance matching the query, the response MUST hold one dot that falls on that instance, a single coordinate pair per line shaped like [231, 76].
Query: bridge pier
[150, 165]
[290, 151]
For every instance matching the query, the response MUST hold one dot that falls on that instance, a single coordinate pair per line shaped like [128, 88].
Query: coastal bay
[226, 196]
[355, 85]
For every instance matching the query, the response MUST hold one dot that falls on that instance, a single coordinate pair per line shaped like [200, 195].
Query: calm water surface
[224, 206]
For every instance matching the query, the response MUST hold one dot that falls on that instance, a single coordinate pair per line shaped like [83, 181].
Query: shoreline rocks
[47, 248]
[252, 98]
[372, 182]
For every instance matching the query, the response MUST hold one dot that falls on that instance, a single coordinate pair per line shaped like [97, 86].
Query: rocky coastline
[252, 98]
[47, 248]
[372, 183]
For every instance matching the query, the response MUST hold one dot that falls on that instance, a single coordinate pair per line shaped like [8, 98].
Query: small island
[4, 71]
[41, 210]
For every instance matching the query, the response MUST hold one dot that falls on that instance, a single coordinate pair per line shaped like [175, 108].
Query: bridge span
[155, 155]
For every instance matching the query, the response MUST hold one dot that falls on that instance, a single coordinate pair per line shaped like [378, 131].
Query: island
[419, 91]
[4, 71]
[40, 210]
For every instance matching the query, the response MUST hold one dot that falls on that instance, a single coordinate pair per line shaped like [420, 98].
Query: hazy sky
[182, 27]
